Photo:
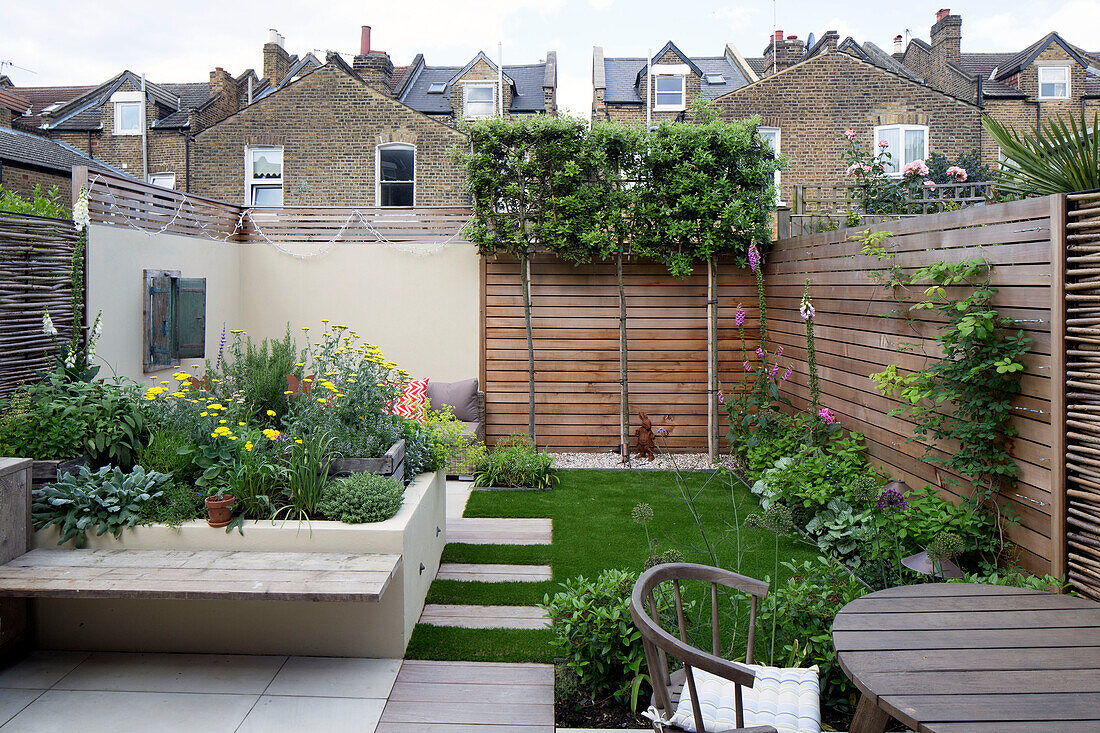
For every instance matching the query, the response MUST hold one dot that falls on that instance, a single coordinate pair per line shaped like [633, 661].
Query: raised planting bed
[392, 464]
[45, 472]
[198, 623]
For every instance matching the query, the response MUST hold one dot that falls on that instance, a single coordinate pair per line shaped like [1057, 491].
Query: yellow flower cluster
[271, 434]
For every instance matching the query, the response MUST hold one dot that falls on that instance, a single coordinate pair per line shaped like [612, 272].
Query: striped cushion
[786, 698]
[413, 404]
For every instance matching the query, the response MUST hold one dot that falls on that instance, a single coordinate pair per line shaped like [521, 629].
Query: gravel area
[662, 462]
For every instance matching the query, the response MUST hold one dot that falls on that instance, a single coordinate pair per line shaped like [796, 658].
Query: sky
[71, 42]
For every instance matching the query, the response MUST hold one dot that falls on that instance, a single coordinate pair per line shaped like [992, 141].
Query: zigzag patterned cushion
[413, 404]
[786, 698]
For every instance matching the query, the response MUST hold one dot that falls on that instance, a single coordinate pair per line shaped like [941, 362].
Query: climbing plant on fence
[681, 194]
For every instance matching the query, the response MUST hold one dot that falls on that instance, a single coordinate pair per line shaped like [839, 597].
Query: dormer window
[1053, 82]
[128, 108]
[669, 88]
[479, 100]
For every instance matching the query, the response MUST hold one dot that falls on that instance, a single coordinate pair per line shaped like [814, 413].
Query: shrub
[108, 500]
[422, 451]
[802, 610]
[39, 203]
[515, 463]
[163, 455]
[258, 375]
[593, 631]
[360, 498]
[177, 503]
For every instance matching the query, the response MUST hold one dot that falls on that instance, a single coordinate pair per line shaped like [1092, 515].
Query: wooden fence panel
[857, 334]
[35, 274]
[575, 318]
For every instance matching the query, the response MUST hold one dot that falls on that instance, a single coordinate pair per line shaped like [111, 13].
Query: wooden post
[1058, 385]
[624, 384]
[482, 270]
[80, 180]
[15, 540]
[783, 222]
[712, 358]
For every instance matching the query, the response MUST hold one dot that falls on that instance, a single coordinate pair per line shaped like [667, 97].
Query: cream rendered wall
[116, 258]
[420, 309]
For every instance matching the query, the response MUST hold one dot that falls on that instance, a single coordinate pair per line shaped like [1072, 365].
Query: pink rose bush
[914, 168]
[959, 174]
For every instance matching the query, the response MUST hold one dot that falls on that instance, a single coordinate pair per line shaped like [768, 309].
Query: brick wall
[637, 112]
[329, 125]
[23, 180]
[814, 102]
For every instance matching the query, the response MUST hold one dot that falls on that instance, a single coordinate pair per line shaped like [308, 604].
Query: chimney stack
[782, 53]
[374, 67]
[946, 37]
[223, 87]
[898, 48]
[276, 59]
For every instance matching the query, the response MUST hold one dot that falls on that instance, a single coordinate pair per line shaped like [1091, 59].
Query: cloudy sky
[70, 42]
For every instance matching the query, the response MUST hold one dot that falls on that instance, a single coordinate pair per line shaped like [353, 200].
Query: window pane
[267, 163]
[267, 195]
[914, 145]
[129, 116]
[397, 164]
[670, 84]
[771, 137]
[397, 194]
[893, 146]
[479, 93]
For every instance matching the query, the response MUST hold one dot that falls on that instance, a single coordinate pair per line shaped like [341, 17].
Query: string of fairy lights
[250, 222]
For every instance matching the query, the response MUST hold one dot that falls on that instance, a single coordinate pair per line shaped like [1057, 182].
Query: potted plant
[219, 508]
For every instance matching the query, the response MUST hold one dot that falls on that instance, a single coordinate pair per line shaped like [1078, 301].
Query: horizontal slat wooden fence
[857, 335]
[1082, 392]
[35, 274]
[122, 201]
[575, 317]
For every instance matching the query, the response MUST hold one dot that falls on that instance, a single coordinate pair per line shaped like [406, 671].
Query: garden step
[473, 697]
[485, 617]
[499, 531]
[485, 573]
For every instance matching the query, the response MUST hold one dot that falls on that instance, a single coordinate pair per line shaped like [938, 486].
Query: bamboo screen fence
[1082, 391]
[857, 335]
[575, 318]
[35, 274]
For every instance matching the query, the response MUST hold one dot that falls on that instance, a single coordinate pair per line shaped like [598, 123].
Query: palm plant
[1060, 156]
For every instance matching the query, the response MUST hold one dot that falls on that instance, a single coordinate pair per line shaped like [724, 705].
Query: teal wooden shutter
[191, 318]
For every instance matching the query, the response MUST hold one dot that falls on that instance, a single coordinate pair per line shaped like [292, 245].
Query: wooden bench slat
[209, 575]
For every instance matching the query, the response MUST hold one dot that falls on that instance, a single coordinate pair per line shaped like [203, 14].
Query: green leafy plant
[307, 467]
[360, 498]
[258, 375]
[515, 463]
[177, 503]
[167, 452]
[1060, 156]
[802, 610]
[39, 203]
[593, 631]
[108, 500]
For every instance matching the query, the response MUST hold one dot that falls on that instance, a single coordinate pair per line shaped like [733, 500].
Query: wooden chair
[659, 644]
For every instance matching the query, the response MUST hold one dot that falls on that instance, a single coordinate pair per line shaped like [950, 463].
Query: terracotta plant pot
[220, 509]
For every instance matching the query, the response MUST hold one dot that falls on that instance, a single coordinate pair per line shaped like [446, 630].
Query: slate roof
[29, 149]
[527, 78]
[622, 77]
[42, 97]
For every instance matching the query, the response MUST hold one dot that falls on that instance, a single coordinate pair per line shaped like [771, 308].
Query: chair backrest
[659, 644]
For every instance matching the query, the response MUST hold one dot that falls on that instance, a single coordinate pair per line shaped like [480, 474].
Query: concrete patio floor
[51, 691]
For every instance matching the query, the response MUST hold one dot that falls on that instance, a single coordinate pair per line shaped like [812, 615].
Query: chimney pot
[778, 36]
[792, 38]
[898, 44]
[364, 41]
[943, 13]
[274, 37]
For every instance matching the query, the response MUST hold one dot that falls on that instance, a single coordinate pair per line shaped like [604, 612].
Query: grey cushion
[473, 430]
[462, 396]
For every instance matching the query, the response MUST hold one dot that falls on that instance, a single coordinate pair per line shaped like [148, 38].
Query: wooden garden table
[946, 657]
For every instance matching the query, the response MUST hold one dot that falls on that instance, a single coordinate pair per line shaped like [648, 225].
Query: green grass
[593, 531]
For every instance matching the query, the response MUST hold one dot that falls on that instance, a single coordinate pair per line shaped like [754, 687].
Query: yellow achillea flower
[217, 406]
[270, 413]
[271, 434]
[242, 424]
[248, 446]
[298, 441]
[289, 391]
[222, 430]
[221, 421]
[232, 437]
[320, 399]
[203, 414]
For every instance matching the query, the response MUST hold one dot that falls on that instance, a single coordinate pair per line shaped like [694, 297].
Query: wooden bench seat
[195, 575]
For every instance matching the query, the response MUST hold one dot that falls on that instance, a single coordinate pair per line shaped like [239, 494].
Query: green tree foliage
[40, 203]
[1055, 158]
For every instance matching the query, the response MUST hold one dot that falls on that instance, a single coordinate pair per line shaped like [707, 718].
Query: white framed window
[771, 136]
[479, 100]
[129, 113]
[1053, 82]
[396, 179]
[164, 180]
[670, 87]
[905, 143]
[263, 175]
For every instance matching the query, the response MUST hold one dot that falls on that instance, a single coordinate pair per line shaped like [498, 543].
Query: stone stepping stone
[486, 573]
[485, 617]
[499, 531]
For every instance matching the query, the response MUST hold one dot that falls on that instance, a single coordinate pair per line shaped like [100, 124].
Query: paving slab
[485, 617]
[279, 714]
[487, 573]
[500, 531]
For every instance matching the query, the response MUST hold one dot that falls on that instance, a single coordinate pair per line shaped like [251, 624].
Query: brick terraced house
[28, 160]
[921, 99]
[362, 134]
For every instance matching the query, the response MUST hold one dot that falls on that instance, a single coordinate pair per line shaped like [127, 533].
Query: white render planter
[383, 629]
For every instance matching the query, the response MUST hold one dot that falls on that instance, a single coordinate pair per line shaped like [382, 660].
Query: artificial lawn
[593, 531]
